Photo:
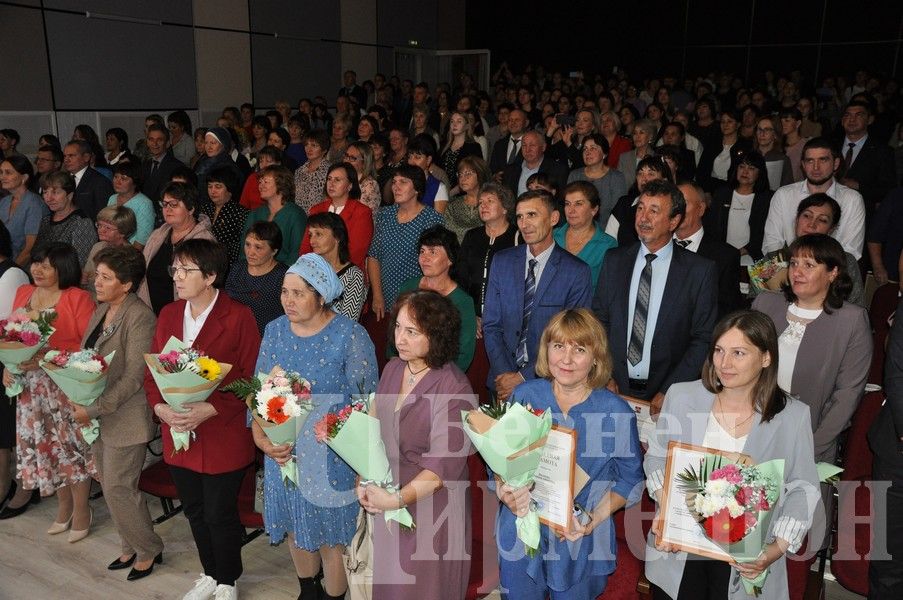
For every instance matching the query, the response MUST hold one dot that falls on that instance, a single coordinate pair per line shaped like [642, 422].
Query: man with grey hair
[533, 151]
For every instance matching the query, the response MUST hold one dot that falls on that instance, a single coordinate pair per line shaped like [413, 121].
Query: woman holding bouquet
[124, 324]
[736, 407]
[51, 454]
[336, 355]
[418, 403]
[574, 365]
[209, 472]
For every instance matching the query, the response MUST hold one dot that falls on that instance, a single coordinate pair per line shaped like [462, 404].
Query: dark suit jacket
[565, 283]
[229, 335]
[625, 212]
[498, 158]
[727, 261]
[555, 170]
[707, 161]
[874, 170]
[154, 184]
[886, 431]
[716, 216]
[685, 322]
[93, 192]
[125, 417]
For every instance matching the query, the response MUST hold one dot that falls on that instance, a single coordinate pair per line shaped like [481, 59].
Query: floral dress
[338, 361]
[50, 451]
[310, 186]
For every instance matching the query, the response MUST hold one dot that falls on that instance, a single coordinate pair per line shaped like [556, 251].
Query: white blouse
[789, 342]
[718, 437]
[738, 220]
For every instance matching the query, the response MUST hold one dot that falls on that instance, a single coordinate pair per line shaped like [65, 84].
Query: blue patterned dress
[323, 508]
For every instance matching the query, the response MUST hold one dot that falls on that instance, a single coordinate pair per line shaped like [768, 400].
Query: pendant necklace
[414, 374]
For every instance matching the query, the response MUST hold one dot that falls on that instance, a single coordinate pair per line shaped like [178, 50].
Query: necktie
[683, 243]
[529, 293]
[640, 311]
[154, 166]
[515, 146]
[848, 159]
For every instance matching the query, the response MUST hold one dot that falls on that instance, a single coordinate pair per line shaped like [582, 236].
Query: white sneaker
[226, 592]
[203, 589]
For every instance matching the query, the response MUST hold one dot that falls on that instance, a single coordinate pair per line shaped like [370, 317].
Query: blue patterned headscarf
[314, 269]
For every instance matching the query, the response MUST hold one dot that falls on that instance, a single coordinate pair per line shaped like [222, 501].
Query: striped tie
[640, 312]
[529, 293]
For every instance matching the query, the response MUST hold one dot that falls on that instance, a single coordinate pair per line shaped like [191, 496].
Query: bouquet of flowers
[768, 273]
[82, 375]
[22, 334]
[510, 438]
[733, 503]
[354, 435]
[184, 375]
[280, 403]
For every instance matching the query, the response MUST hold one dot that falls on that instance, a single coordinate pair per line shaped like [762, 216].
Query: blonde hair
[579, 326]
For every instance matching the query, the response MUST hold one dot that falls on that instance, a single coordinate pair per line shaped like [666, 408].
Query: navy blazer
[685, 322]
[92, 193]
[565, 283]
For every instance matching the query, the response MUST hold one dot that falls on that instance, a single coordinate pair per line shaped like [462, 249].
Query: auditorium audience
[738, 210]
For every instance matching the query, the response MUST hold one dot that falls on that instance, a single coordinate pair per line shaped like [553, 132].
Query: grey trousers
[119, 470]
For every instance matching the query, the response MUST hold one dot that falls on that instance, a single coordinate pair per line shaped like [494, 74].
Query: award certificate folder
[679, 525]
[556, 478]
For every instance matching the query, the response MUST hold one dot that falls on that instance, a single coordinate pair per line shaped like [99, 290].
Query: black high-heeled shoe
[118, 564]
[9, 513]
[135, 574]
[9, 493]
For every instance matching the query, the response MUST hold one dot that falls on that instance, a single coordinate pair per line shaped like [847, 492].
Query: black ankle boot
[310, 588]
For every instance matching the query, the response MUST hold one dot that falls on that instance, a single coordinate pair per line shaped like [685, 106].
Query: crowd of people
[591, 234]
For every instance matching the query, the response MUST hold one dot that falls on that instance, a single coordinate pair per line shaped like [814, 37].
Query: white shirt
[78, 176]
[719, 438]
[191, 327]
[722, 164]
[336, 209]
[780, 227]
[525, 173]
[695, 239]
[738, 220]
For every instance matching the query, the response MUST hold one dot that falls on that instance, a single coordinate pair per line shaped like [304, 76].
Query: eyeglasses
[173, 205]
[179, 272]
[350, 158]
[101, 226]
[465, 174]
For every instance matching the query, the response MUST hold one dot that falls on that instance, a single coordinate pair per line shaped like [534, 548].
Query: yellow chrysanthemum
[208, 368]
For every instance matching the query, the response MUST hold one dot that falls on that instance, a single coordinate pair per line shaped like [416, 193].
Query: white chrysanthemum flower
[264, 396]
[90, 366]
[734, 508]
[292, 407]
[716, 487]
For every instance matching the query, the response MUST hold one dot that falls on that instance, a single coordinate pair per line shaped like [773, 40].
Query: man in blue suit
[528, 285]
[659, 329]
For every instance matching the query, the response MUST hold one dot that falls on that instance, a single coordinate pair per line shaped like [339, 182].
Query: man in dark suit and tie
[157, 170]
[691, 236]
[92, 190]
[528, 285]
[506, 151]
[866, 165]
[886, 440]
[657, 301]
[533, 151]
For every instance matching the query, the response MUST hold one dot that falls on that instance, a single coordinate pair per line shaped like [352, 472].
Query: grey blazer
[832, 366]
[684, 416]
[125, 417]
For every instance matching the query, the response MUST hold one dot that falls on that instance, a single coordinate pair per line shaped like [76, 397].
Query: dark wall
[658, 36]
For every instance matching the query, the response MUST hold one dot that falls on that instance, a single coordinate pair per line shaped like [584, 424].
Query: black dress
[477, 251]
[227, 226]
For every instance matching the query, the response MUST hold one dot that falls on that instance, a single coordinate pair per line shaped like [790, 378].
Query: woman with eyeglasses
[127, 185]
[463, 211]
[209, 473]
[360, 156]
[179, 224]
[115, 224]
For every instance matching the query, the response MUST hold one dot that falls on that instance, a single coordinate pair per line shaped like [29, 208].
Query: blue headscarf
[314, 269]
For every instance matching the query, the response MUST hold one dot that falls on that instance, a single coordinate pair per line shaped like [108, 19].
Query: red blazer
[73, 309]
[359, 221]
[223, 443]
[618, 147]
